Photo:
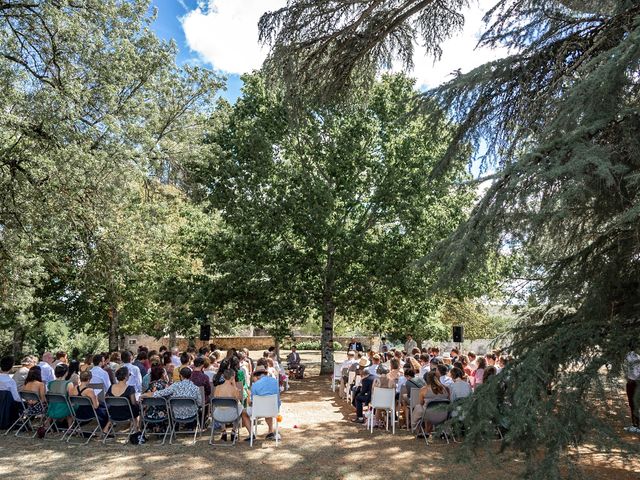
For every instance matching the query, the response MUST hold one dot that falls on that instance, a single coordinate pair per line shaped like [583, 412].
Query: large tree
[95, 114]
[324, 213]
[559, 118]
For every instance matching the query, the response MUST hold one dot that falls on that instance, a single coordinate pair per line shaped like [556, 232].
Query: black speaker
[205, 332]
[458, 333]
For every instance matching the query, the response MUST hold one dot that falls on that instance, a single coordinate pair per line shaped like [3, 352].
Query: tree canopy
[98, 122]
[559, 120]
[328, 213]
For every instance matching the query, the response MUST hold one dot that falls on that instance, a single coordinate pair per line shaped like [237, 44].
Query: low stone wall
[132, 342]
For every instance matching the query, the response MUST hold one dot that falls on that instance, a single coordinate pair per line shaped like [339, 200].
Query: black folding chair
[159, 404]
[184, 402]
[83, 418]
[224, 410]
[436, 412]
[57, 399]
[31, 408]
[120, 411]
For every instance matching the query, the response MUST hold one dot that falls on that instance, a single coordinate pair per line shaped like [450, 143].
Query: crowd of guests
[439, 376]
[196, 374]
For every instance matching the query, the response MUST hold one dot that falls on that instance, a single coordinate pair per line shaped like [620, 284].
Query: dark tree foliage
[561, 119]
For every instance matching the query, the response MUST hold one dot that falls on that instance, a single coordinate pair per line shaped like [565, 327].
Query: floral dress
[153, 412]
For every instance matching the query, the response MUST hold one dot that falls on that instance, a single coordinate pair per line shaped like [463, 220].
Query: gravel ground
[318, 442]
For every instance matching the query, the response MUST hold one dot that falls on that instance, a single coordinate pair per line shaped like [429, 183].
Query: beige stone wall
[132, 342]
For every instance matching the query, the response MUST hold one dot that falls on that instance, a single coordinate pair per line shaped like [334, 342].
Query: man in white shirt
[135, 377]
[175, 357]
[6, 382]
[633, 379]
[410, 344]
[99, 375]
[45, 368]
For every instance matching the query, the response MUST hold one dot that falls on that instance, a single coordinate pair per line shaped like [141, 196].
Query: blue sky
[168, 26]
[223, 35]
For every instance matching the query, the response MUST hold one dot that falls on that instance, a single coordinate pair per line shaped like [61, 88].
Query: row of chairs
[436, 412]
[120, 411]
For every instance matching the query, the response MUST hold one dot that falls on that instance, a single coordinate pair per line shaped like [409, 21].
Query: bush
[315, 345]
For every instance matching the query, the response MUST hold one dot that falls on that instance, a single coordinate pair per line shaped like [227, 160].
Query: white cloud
[225, 32]
[458, 52]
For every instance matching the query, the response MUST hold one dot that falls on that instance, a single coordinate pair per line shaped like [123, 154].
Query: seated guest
[382, 381]
[124, 390]
[465, 365]
[184, 387]
[425, 366]
[229, 389]
[157, 379]
[185, 359]
[362, 396]
[262, 385]
[478, 375]
[114, 362]
[61, 357]
[83, 390]
[445, 379]
[411, 381]
[21, 374]
[141, 362]
[168, 365]
[98, 374]
[488, 373]
[433, 390]
[135, 377]
[48, 374]
[60, 386]
[200, 379]
[375, 363]
[472, 360]
[394, 370]
[33, 383]
[6, 382]
[296, 369]
[460, 388]
[73, 373]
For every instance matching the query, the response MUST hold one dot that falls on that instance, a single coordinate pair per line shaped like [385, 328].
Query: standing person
[633, 392]
[410, 344]
[48, 374]
[354, 345]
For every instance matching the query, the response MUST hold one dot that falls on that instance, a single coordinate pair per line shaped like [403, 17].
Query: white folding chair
[337, 375]
[414, 399]
[350, 382]
[263, 406]
[383, 399]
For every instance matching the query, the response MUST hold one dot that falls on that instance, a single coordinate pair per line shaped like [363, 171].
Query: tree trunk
[328, 313]
[114, 328]
[173, 339]
[18, 341]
